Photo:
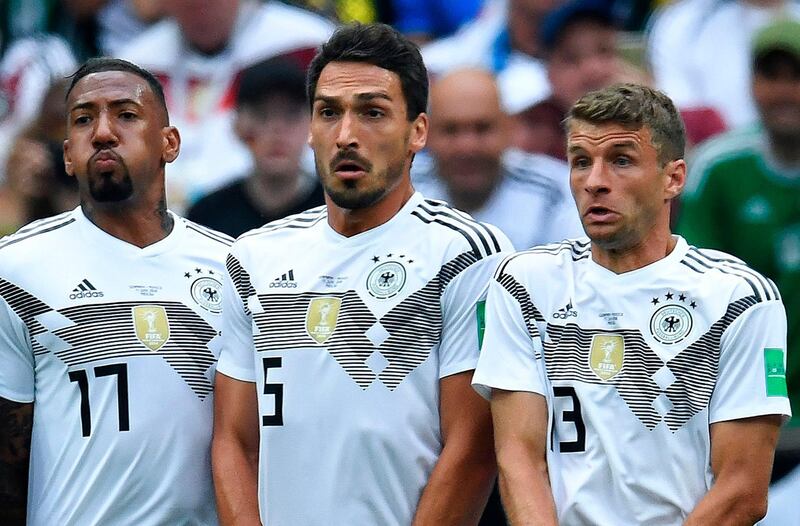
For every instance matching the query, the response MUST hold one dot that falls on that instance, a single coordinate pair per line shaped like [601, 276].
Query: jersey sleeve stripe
[15, 238]
[762, 287]
[445, 215]
[305, 219]
[480, 229]
[211, 234]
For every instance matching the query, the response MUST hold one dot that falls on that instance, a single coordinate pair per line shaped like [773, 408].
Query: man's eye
[623, 161]
[127, 115]
[81, 119]
[375, 113]
[580, 162]
[326, 112]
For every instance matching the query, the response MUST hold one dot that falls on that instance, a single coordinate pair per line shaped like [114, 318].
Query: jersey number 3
[571, 417]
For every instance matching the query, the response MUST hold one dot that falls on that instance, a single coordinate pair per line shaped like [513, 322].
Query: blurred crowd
[503, 72]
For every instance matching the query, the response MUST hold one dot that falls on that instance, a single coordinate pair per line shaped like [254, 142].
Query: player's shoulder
[722, 270]
[35, 239]
[294, 225]
[543, 259]
[450, 225]
[203, 234]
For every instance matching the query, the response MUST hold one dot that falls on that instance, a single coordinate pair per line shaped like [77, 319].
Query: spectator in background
[471, 167]
[579, 40]
[272, 120]
[425, 20]
[505, 40]
[36, 184]
[699, 53]
[27, 70]
[743, 191]
[197, 55]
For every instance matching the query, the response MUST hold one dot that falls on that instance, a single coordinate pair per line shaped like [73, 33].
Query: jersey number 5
[569, 416]
[276, 390]
[120, 370]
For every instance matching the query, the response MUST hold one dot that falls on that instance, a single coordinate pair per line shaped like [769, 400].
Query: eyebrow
[113, 103]
[360, 96]
[617, 146]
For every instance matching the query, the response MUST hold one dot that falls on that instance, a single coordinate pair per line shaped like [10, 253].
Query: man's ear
[419, 133]
[674, 178]
[171, 143]
[67, 159]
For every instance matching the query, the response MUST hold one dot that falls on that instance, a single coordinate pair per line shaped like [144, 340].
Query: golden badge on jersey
[152, 325]
[321, 317]
[607, 355]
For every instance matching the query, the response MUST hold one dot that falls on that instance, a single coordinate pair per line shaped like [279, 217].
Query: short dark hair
[101, 64]
[380, 45]
[634, 106]
[277, 75]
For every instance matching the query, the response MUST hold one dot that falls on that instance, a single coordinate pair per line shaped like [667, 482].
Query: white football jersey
[635, 367]
[346, 339]
[115, 346]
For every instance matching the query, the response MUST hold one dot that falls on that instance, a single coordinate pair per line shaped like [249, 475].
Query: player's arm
[741, 459]
[16, 421]
[745, 412]
[461, 481]
[520, 437]
[234, 451]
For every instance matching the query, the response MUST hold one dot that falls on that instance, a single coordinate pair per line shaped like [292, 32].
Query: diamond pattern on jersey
[695, 368]
[672, 392]
[566, 353]
[82, 334]
[407, 333]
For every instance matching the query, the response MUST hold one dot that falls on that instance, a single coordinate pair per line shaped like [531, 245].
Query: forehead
[350, 79]
[465, 98]
[106, 86]
[590, 136]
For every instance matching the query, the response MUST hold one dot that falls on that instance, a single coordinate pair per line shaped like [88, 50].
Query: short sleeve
[462, 312]
[237, 355]
[752, 366]
[511, 354]
[16, 356]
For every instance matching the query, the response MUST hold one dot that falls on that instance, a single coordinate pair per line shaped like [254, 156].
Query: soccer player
[351, 330]
[648, 372]
[108, 320]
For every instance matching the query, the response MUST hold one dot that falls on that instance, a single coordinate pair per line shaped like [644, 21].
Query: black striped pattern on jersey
[480, 238]
[414, 327]
[27, 307]
[219, 237]
[567, 352]
[282, 326]
[702, 261]
[241, 281]
[106, 330]
[304, 219]
[695, 368]
[529, 311]
[415, 324]
[86, 333]
[36, 228]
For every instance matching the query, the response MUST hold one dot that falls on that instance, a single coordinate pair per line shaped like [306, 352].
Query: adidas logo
[567, 311]
[85, 290]
[284, 281]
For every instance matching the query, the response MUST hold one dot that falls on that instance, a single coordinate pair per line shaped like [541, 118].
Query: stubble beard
[350, 196]
[104, 189]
